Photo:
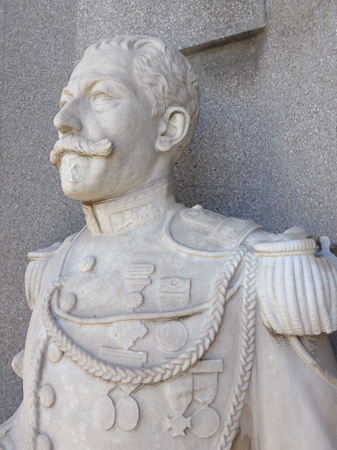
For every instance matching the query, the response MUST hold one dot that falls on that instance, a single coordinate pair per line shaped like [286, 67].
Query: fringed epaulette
[37, 263]
[297, 288]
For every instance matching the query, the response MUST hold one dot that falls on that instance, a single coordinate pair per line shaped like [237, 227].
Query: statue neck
[132, 209]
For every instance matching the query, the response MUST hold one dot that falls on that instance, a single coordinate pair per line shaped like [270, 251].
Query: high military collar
[132, 209]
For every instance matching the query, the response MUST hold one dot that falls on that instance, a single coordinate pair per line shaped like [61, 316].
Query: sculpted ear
[173, 126]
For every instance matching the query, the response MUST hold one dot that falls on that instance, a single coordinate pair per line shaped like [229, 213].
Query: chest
[159, 315]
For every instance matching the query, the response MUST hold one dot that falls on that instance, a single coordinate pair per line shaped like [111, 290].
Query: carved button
[54, 353]
[17, 364]
[68, 302]
[43, 442]
[87, 264]
[172, 336]
[197, 207]
[47, 395]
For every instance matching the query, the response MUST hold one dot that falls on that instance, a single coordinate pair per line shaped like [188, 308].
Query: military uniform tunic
[163, 327]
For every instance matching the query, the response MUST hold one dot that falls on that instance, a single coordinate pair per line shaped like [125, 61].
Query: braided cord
[112, 372]
[33, 398]
[36, 361]
[246, 353]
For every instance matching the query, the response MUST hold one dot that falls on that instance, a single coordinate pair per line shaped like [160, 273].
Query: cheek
[96, 170]
[127, 124]
[118, 118]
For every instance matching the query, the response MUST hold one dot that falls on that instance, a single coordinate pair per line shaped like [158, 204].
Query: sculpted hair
[165, 75]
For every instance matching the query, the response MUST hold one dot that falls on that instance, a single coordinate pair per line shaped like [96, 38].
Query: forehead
[115, 63]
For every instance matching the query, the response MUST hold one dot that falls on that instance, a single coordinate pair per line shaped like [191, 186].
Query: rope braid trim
[246, 358]
[115, 373]
[33, 398]
[36, 360]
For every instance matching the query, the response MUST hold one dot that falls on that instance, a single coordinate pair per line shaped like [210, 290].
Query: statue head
[126, 116]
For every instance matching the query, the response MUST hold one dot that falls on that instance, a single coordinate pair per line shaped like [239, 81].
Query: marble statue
[159, 326]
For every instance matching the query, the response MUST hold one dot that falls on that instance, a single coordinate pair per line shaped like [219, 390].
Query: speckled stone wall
[265, 146]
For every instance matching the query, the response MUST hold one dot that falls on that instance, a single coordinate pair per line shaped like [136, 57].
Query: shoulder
[38, 261]
[296, 284]
[197, 230]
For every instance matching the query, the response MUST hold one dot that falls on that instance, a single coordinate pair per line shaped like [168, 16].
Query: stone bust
[159, 326]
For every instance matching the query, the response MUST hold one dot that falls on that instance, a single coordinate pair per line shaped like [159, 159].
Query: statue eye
[100, 95]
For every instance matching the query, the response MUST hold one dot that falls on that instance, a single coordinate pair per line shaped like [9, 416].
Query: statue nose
[67, 120]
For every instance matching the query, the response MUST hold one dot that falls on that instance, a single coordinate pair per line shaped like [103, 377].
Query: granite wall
[265, 146]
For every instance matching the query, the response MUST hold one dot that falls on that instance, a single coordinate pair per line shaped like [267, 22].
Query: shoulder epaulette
[227, 231]
[297, 290]
[37, 263]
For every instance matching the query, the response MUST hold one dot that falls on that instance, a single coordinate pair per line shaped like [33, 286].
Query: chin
[77, 183]
[76, 191]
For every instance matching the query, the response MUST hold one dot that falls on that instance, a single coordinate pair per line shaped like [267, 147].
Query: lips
[68, 170]
[75, 143]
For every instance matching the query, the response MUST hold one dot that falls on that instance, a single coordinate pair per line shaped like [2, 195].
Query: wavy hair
[165, 75]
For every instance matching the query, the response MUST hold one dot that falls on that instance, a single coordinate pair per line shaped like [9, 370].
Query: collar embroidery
[130, 210]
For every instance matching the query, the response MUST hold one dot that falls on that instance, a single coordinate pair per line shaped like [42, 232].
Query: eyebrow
[66, 92]
[90, 84]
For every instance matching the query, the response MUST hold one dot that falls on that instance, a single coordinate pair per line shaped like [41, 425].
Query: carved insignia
[127, 413]
[104, 413]
[136, 279]
[178, 424]
[129, 358]
[200, 385]
[205, 422]
[228, 231]
[129, 332]
[174, 292]
[179, 396]
[172, 335]
[231, 231]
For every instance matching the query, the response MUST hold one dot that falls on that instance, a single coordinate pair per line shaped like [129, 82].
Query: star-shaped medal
[178, 424]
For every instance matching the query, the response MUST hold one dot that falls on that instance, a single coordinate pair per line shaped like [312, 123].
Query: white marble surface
[264, 147]
[161, 326]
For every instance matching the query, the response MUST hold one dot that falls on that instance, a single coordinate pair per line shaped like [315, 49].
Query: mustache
[75, 143]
